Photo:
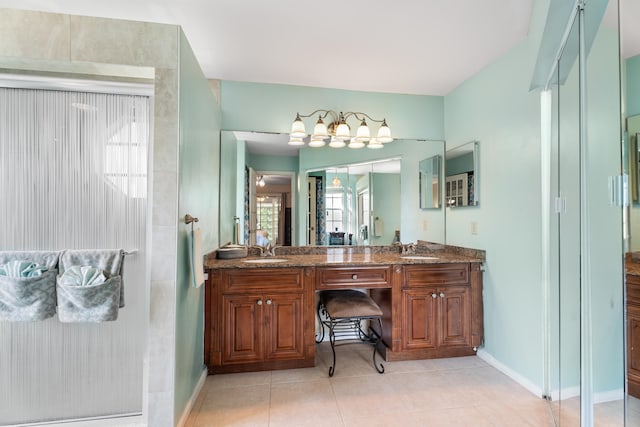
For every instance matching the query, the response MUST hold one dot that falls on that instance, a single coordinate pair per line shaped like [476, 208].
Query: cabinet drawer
[633, 289]
[262, 279]
[436, 274]
[353, 277]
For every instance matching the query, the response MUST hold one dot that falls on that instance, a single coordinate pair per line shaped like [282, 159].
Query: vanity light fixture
[338, 132]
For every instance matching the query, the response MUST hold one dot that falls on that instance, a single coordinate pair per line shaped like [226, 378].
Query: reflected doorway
[271, 203]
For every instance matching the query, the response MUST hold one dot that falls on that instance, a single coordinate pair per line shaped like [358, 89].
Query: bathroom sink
[418, 257]
[265, 260]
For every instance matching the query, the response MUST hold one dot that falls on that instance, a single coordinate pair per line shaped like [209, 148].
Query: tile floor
[462, 391]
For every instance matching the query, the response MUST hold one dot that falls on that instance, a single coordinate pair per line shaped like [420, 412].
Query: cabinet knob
[268, 302]
[354, 277]
[434, 295]
[441, 294]
[259, 302]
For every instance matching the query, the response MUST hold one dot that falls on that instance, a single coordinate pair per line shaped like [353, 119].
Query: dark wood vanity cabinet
[435, 318]
[259, 319]
[264, 318]
[439, 310]
[633, 334]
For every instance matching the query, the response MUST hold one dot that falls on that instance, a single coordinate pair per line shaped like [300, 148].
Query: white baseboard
[565, 393]
[524, 382]
[192, 400]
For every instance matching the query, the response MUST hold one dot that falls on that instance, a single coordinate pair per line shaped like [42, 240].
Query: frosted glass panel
[73, 175]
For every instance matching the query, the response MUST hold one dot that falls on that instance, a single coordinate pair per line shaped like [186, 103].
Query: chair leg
[332, 340]
[375, 347]
[321, 324]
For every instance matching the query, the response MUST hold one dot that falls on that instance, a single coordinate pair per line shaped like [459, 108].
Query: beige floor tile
[317, 373]
[366, 394]
[216, 382]
[304, 404]
[462, 391]
[235, 406]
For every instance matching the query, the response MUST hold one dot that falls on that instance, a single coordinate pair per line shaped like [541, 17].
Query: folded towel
[96, 302]
[19, 268]
[47, 259]
[27, 285]
[194, 243]
[82, 276]
[110, 261]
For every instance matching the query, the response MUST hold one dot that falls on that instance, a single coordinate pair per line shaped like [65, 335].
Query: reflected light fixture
[338, 132]
[260, 181]
[336, 182]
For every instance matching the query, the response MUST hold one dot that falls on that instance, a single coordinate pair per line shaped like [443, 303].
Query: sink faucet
[267, 250]
[406, 248]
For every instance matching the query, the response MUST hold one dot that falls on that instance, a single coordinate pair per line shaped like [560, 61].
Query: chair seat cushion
[349, 303]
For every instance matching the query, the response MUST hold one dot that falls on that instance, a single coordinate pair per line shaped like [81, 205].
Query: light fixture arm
[335, 116]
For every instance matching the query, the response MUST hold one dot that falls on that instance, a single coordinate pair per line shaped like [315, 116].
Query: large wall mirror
[367, 195]
[462, 176]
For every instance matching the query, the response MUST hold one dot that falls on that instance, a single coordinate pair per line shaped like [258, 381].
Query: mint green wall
[386, 206]
[272, 108]
[198, 184]
[273, 163]
[633, 85]
[496, 108]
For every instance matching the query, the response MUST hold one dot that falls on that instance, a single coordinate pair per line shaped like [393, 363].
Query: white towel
[378, 227]
[197, 263]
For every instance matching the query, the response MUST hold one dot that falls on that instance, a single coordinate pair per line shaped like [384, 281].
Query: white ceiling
[425, 47]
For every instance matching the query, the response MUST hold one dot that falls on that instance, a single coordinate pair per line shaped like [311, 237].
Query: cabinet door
[284, 326]
[242, 328]
[419, 318]
[633, 349]
[454, 314]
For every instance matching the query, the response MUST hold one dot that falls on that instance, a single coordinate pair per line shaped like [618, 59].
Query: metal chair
[343, 311]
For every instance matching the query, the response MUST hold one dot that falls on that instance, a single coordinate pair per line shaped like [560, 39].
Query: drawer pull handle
[441, 294]
[268, 302]
[259, 302]
[354, 277]
[434, 296]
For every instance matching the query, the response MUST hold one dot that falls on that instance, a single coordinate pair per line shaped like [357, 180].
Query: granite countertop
[346, 256]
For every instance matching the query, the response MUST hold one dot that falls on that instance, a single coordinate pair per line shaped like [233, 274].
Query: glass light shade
[320, 129]
[384, 133]
[342, 131]
[336, 143]
[374, 144]
[297, 128]
[362, 133]
[295, 141]
[316, 142]
[356, 144]
[336, 182]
